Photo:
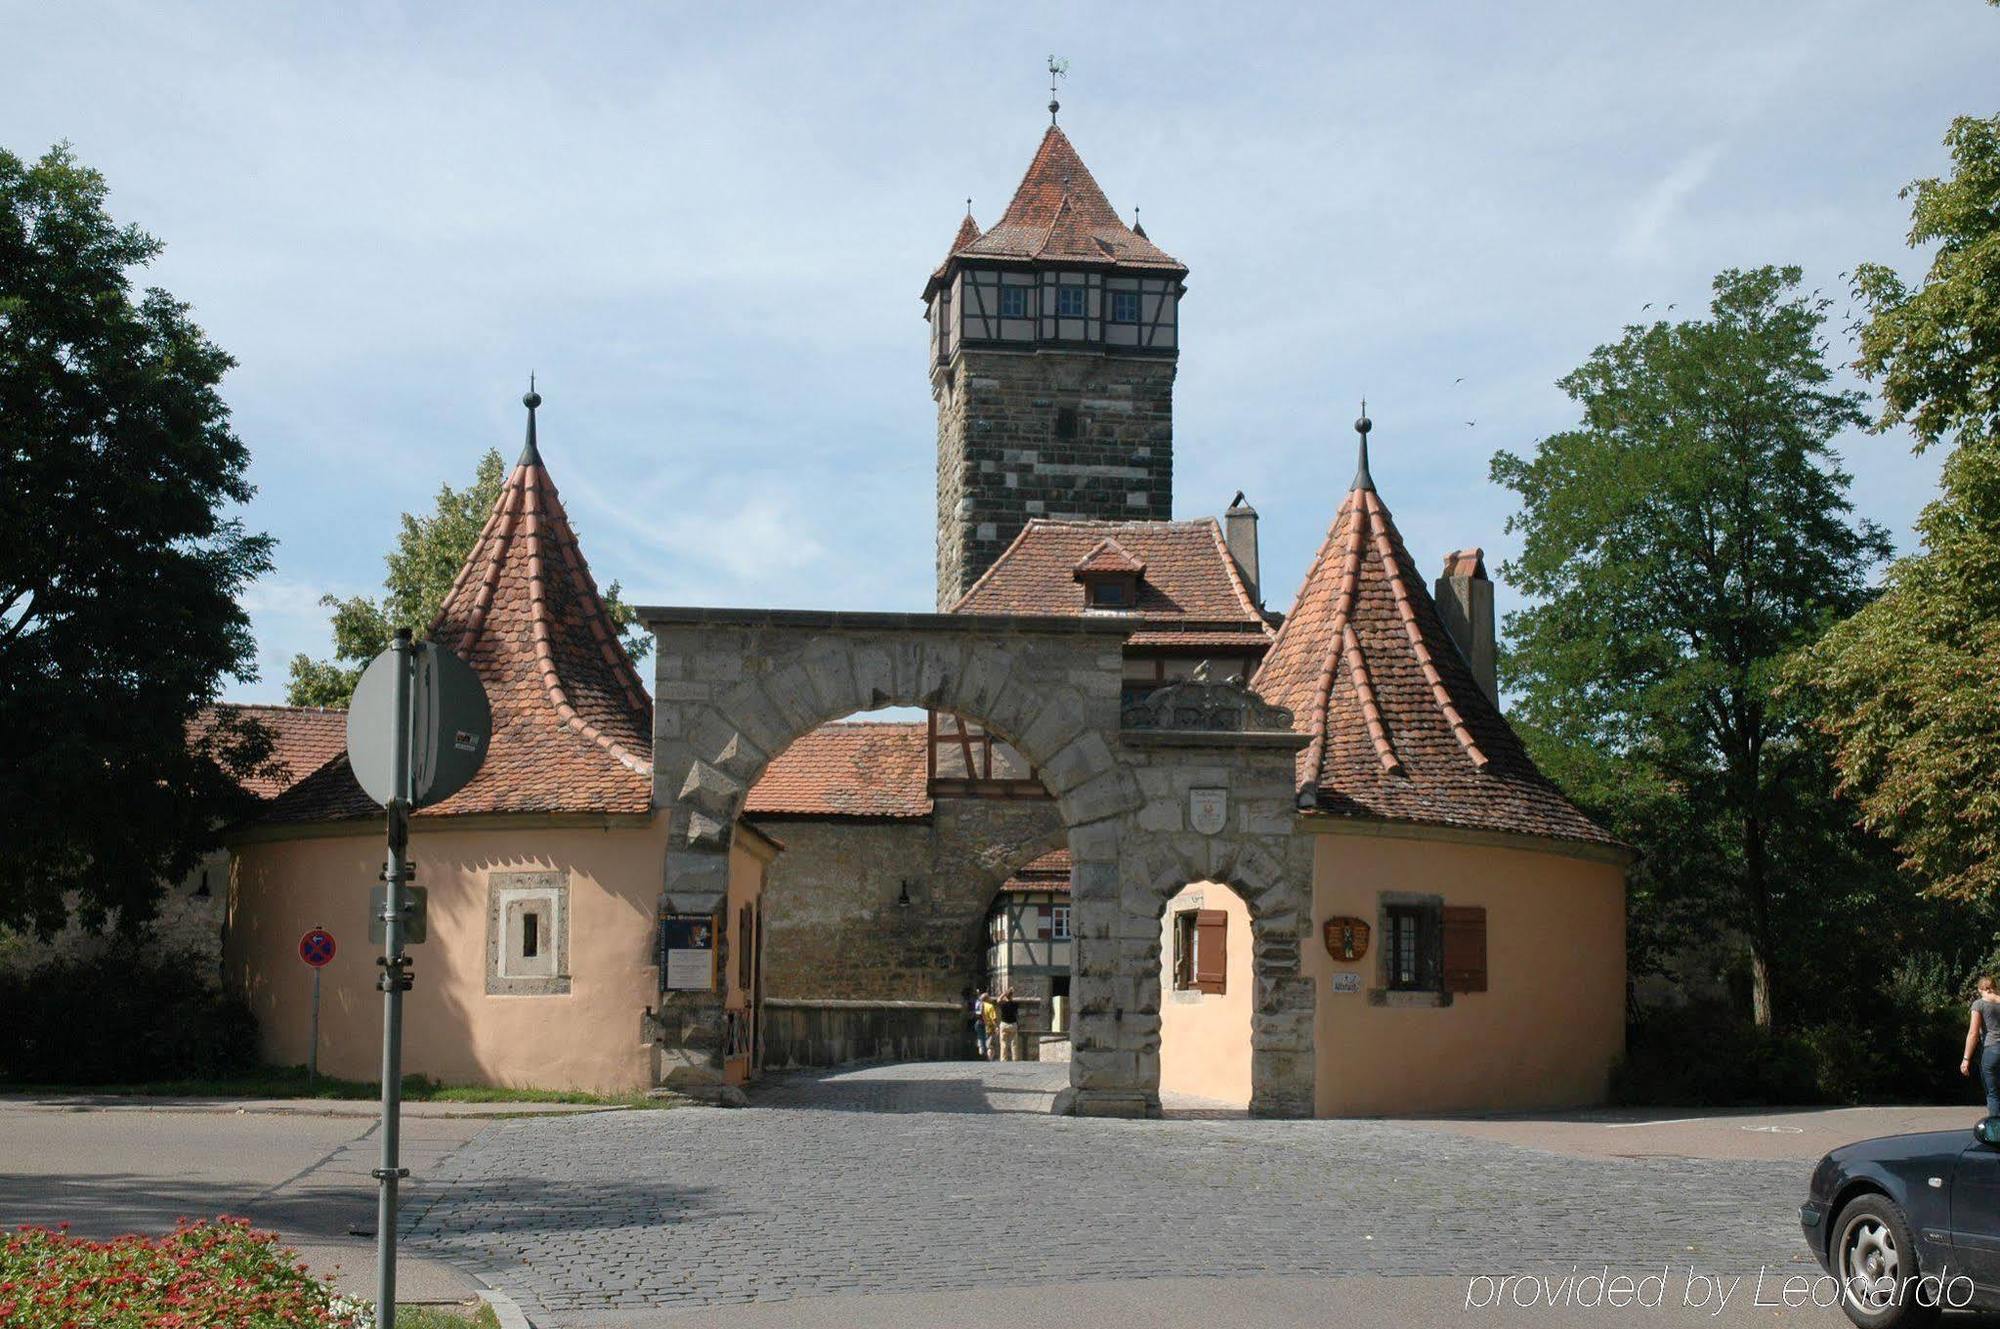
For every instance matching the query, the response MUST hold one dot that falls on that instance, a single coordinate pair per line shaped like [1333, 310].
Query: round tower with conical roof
[1054, 341]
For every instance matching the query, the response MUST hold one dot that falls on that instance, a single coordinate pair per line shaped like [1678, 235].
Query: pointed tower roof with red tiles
[572, 724]
[1400, 730]
[1060, 215]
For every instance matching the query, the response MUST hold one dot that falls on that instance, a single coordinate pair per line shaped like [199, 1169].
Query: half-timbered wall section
[1054, 306]
[966, 759]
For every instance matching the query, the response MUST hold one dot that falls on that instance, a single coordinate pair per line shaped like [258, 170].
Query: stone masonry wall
[1001, 459]
[832, 924]
[874, 969]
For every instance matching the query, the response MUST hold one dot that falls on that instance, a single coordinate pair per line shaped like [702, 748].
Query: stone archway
[736, 687]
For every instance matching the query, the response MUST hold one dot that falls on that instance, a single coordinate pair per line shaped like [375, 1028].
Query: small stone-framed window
[527, 934]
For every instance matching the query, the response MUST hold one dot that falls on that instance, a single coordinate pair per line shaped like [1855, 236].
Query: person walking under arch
[1010, 1026]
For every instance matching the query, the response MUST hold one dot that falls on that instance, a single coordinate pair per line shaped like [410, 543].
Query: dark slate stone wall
[1003, 456]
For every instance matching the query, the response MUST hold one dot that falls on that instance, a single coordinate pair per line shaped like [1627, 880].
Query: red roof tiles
[303, 739]
[1190, 592]
[1050, 872]
[1058, 214]
[848, 769]
[1108, 558]
[572, 724]
[1400, 730]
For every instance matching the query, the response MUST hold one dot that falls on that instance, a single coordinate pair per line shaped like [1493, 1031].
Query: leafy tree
[1679, 543]
[1909, 687]
[429, 551]
[121, 564]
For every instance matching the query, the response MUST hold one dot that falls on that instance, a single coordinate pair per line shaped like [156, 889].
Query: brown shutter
[1211, 950]
[1464, 948]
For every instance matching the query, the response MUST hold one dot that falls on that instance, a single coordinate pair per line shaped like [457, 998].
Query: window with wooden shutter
[1184, 922]
[1464, 968]
[1211, 950]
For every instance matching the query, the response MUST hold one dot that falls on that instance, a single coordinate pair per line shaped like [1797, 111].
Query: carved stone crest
[1199, 704]
[1208, 810]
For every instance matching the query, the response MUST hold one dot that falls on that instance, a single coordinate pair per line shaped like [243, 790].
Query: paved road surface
[944, 1194]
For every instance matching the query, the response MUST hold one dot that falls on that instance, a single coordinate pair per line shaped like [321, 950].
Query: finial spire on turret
[1363, 480]
[530, 454]
[1057, 69]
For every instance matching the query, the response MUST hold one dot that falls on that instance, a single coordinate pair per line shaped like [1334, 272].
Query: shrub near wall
[124, 1016]
[1901, 1048]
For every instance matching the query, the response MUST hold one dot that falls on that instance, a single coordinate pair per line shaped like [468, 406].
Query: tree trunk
[1762, 944]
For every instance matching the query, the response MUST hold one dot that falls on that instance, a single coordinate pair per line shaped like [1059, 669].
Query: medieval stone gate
[734, 688]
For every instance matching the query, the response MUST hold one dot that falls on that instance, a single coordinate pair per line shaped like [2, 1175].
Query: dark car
[1909, 1224]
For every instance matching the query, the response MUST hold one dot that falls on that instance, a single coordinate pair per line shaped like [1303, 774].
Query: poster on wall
[687, 953]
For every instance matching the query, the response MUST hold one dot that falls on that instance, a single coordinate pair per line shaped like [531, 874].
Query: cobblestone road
[952, 1175]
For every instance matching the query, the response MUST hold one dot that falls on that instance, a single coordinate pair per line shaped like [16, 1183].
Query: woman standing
[1982, 1040]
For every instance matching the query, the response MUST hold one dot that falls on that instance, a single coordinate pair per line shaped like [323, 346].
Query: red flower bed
[218, 1275]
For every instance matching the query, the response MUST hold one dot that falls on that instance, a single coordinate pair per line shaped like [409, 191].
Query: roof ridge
[1440, 695]
[544, 632]
[279, 706]
[1249, 602]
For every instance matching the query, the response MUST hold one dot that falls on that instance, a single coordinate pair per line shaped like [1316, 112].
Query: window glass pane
[531, 936]
[1069, 301]
[1124, 306]
[1013, 302]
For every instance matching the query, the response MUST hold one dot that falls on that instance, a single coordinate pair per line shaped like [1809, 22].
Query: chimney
[1465, 602]
[1239, 529]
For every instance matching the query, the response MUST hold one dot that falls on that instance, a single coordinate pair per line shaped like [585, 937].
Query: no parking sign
[316, 948]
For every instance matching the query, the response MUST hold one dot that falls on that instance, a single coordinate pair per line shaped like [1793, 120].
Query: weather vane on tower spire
[1057, 69]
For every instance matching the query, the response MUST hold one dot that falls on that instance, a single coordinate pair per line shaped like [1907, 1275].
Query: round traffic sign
[449, 724]
[316, 948]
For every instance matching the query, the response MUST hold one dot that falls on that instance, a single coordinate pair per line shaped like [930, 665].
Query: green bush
[122, 1016]
[1900, 1044]
[1706, 1055]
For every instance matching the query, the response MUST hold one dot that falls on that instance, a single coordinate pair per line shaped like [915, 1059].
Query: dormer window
[1110, 576]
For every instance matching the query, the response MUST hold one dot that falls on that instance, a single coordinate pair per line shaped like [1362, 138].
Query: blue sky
[707, 228]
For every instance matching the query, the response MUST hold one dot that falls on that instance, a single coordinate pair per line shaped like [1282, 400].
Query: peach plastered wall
[1552, 1020]
[586, 1039]
[1205, 1036]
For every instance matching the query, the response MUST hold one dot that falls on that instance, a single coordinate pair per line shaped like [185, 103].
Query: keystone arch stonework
[734, 688]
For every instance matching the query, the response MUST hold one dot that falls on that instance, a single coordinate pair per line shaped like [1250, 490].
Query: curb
[505, 1309]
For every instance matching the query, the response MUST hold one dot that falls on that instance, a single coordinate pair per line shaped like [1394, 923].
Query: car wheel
[1875, 1259]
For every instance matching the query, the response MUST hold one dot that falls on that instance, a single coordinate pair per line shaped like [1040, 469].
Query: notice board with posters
[687, 952]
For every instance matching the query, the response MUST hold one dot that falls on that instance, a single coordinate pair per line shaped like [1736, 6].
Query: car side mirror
[1987, 1131]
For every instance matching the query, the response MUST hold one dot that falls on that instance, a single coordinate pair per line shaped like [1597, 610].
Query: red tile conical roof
[572, 724]
[1400, 730]
[1060, 214]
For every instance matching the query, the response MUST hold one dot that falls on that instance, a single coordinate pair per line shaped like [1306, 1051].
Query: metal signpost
[416, 734]
[316, 948]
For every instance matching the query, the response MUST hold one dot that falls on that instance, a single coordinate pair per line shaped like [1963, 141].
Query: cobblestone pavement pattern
[951, 1175]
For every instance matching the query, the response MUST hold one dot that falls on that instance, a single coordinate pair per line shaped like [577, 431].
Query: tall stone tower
[1054, 337]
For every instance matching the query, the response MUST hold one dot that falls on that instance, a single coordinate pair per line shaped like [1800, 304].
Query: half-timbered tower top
[1054, 336]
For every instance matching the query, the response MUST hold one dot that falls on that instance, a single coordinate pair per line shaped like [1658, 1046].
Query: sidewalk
[296, 1107]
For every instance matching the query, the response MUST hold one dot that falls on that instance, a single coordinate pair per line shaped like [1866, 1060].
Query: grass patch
[290, 1082]
[436, 1317]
